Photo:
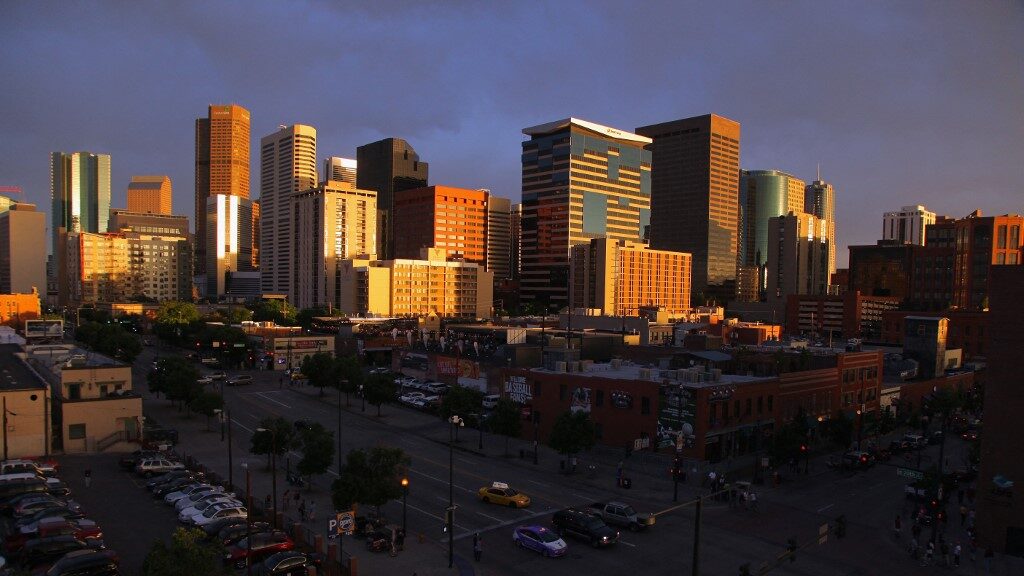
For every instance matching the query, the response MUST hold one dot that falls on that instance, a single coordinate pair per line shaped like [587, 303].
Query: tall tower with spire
[819, 200]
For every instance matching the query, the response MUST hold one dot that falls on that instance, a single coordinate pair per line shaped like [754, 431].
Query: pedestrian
[970, 519]
[88, 477]
[753, 501]
[963, 514]
[929, 552]
[312, 511]
[989, 555]
[956, 555]
[400, 539]
[478, 543]
[913, 549]
[897, 527]
[302, 510]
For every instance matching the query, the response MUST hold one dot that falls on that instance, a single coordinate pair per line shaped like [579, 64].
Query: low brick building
[967, 329]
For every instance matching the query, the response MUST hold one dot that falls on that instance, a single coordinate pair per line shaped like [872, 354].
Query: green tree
[506, 420]
[176, 378]
[276, 310]
[379, 388]
[572, 433]
[316, 444]
[350, 376]
[371, 478]
[174, 320]
[238, 314]
[207, 404]
[462, 401]
[320, 369]
[278, 437]
[188, 554]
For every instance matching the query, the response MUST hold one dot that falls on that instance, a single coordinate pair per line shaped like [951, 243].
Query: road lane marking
[489, 516]
[508, 523]
[538, 483]
[436, 479]
[243, 426]
[823, 508]
[627, 543]
[269, 399]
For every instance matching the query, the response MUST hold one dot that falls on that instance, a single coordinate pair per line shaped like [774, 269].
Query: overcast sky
[900, 102]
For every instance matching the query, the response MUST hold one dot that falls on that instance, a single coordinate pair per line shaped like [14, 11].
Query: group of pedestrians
[939, 551]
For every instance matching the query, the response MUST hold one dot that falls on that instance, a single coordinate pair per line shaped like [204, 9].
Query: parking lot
[118, 501]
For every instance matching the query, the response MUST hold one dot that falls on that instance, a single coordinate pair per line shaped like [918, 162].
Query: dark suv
[573, 522]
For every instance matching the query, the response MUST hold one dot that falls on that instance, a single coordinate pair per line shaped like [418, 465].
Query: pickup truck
[621, 514]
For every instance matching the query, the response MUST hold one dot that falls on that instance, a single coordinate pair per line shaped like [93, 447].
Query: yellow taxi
[499, 493]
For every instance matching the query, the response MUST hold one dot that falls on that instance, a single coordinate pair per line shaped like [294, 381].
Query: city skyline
[878, 110]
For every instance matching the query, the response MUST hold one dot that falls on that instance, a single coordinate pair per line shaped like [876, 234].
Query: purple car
[539, 539]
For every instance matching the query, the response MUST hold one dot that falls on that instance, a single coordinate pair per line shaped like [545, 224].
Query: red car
[263, 544]
[85, 530]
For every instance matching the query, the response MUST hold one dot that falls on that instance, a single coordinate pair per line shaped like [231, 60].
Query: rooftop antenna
[819, 171]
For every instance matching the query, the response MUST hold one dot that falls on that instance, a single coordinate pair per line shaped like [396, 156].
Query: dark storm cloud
[901, 103]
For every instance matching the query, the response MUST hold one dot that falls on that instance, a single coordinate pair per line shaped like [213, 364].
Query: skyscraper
[617, 277]
[222, 165]
[765, 194]
[797, 256]
[340, 169]
[149, 194]
[287, 167]
[229, 238]
[160, 248]
[449, 218]
[516, 243]
[80, 202]
[907, 225]
[694, 188]
[499, 237]
[820, 200]
[335, 221]
[388, 166]
[581, 181]
[22, 249]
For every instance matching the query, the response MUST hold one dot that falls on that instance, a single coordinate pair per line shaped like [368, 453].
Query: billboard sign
[677, 412]
[44, 329]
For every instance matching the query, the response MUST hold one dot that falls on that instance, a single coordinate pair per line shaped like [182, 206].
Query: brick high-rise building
[694, 197]
[335, 221]
[150, 194]
[454, 219]
[981, 243]
[22, 249]
[287, 167]
[1000, 488]
[388, 166]
[581, 181]
[222, 165]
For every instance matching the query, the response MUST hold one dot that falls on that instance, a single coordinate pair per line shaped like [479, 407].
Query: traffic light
[803, 448]
[791, 548]
[841, 527]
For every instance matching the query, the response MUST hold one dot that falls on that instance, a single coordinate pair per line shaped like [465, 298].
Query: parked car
[130, 461]
[83, 529]
[539, 539]
[241, 380]
[184, 498]
[45, 551]
[257, 547]
[207, 493]
[205, 518]
[187, 489]
[290, 563]
[436, 388]
[914, 441]
[584, 526]
[204, 501]
[205, 381]
[165, 488]
[168, 477]
[58, 488]
[622, 514]
[31, 505]
[410, 397]
[151, 467]
[20, 467]
[52, 512]
[230, 534]
[855, 460]
[192, 512]
[218, 375]
[213, 528]
[10, 488]
[86, 562]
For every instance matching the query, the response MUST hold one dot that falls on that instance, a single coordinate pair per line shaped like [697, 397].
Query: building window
[750, 404]
[760, 404]
[599, 398]
[736, 408]
[769, 404]
[74, 391]
[645, 405]
[76, 431]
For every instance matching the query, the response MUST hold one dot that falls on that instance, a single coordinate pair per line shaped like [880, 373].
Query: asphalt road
[729, 537]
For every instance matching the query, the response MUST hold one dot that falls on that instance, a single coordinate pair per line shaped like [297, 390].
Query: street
[730, 536]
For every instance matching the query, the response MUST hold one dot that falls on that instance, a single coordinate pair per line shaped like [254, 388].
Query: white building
[907, 225]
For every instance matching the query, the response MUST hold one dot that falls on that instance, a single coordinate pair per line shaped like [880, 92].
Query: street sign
[910, 473]
[342, 523]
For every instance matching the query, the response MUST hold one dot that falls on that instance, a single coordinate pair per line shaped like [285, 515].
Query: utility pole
[231, 466]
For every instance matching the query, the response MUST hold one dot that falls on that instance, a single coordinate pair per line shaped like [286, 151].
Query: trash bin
[627, 483]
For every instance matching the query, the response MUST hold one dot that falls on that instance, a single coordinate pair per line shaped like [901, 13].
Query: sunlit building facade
[617, 277]
[150, 194]
[222, 165]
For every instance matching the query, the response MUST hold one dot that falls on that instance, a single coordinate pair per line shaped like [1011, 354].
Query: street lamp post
[405, 497]
[273, 468]
[455, 422]
[220, 417]
[231, 467]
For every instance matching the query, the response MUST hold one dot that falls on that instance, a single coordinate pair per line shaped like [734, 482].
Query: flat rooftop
[627, 371]
[14, 374]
